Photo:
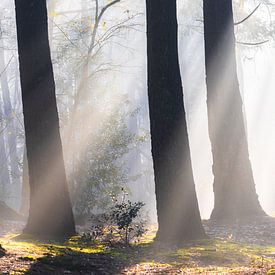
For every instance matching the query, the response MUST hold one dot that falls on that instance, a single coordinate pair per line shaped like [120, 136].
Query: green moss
[204, 256]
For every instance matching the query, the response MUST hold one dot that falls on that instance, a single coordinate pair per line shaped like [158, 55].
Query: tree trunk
[234, 187]
[9, 118]
[4, 169]
[5, 180]
[50, 207]
[177, 206]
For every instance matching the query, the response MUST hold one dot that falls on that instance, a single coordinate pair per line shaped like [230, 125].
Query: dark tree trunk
[177, 206]
[50, 207]
[234, 187]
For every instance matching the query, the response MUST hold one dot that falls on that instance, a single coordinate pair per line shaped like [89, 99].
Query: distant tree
[5, 180]
[50, 207]
[4, 169]
[234, 187]
[8, 112]
[177, 206]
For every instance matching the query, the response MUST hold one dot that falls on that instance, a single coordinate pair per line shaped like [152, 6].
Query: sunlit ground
[25, 255]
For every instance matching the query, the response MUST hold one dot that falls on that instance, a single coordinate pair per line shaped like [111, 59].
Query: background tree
[177, 206]
[234, 187]
[9, 113]
[4, 170]
[50, 208]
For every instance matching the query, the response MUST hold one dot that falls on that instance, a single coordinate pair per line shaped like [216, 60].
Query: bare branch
[66, 36]
[247, 17]
[6, 67]
[97, 21]
[95, 28]
[252, 44]
[106, 7]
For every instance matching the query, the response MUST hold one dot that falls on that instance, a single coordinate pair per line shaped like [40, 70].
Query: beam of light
[192, 70]
[259, 99]
[94, 109]
[258, 102]
[259, 96]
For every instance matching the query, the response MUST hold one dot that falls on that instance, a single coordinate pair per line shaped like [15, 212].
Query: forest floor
[242, 249]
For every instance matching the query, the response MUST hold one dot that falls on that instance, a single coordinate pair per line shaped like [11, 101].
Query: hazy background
[121, 77]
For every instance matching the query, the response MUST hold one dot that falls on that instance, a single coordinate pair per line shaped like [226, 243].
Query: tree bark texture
[234, 187]
[50, 211]
[177, 206]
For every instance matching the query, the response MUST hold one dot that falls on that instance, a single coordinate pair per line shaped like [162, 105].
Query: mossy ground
[26, 255]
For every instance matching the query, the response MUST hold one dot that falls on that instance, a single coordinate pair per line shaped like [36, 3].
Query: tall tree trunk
[50, 207]
[4, 169]
[234, 187]
[25, 191]
[8, 113]
[177, 206]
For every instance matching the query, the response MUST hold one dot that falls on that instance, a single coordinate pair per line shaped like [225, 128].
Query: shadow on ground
[205, 256]
[75, 263]
[2, 251]
[26, 255]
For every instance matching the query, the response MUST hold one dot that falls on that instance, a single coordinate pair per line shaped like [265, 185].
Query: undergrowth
[215, 256]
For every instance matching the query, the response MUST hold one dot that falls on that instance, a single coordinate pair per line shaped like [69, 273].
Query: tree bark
[234, 187]
[50, 211]
[177, 207]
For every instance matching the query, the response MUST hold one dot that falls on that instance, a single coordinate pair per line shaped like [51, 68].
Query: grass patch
[204, 256]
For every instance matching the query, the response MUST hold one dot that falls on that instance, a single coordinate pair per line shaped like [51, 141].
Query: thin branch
[116, 27]
[247, 17]
[252, 44]
[64, 33]
[95, 28]
[106, 7]
[7, 65]
[97, 21]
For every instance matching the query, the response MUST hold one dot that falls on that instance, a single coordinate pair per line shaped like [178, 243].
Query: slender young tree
[50, 211]
[11, 129]
[5, 181]
[177, 207]
[234, 187]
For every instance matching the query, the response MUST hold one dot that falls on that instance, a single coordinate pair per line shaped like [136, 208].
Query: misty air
[137, 137]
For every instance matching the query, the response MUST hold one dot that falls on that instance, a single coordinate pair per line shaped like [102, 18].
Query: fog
[116, 85]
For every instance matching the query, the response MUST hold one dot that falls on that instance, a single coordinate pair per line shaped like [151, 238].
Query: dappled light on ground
[26, 255]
